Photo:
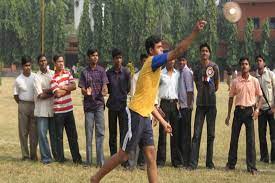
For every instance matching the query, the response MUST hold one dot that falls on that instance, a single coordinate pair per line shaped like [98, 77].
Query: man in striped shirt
[62, 84]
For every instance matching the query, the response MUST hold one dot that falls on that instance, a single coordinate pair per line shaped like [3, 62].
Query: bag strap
[265, 97]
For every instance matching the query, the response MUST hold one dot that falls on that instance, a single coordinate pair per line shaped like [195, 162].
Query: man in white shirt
[168, 95]
[266, 117]
[24, 97]
[43, 110]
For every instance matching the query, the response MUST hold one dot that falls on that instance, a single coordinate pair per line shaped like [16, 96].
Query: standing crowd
[160, 89]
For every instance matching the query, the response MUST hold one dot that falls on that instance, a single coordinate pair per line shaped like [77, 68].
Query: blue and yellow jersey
[147, 85]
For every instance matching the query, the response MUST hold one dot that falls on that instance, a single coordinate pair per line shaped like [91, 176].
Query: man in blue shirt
[186, 99]
[119, 86]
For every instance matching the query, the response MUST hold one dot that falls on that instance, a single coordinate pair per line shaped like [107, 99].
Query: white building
[78, 9]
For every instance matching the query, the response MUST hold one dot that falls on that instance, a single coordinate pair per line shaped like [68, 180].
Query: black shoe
[78, 162]
[160, 166]
[227, 167]
[253, 171]
[25, 158]
[264, 160]
[211, 167]
[87, 164]
[177, 166]
[63, 160]
[34, 158]
[141, 167]
[191, 168]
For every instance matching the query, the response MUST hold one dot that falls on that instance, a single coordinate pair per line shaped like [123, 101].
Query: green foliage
[54, 27]
[85, 34]
[131, 68]
[210, 34]
[125, 24]
[106, 32]
[20, 28]
[265, 42]
[249, 44]
[232, 44]
[179, 21]
[197, 13]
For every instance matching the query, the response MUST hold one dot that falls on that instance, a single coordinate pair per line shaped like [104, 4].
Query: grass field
[13, 170]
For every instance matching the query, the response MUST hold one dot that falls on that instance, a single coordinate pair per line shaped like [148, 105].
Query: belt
[244, 107]
[169, 100]
[23, 101]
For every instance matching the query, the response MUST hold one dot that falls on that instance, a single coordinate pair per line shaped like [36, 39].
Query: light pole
[42, 25]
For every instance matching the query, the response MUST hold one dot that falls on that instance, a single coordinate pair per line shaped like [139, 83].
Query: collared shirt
[62, 104]
[118, 87]
[206, 88]
[267, 83]
[186, 85]
[24, 88]
[94, 78]
[168, 86]
[246, 91]
[43, 107]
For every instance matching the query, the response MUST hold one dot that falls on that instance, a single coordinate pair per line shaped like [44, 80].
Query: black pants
[184, 131]
[242, 116]
[141, 158]
[66, 120]
[210, 113]
[263, 119]
[171, 115]
[123, 120]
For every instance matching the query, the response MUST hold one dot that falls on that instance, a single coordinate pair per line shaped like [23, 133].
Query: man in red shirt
[62, 84]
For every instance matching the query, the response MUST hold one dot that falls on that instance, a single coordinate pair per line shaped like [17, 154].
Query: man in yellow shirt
[142, 105]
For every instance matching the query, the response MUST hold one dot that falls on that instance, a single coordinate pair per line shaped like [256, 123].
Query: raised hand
[200, 25]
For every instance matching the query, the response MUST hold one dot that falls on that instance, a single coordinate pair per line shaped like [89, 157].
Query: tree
[97, 14]
[106, 32]
[210, 34]
[197, 9]
[178, 26]
[54, 27]
[85, 34]
[265, 42]
[249, 44]
[232, 44]
[17, 30]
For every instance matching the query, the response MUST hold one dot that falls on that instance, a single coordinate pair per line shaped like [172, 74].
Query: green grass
[13, 170]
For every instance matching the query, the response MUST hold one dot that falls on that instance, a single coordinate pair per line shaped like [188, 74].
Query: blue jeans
[95, 118]
[43, 125]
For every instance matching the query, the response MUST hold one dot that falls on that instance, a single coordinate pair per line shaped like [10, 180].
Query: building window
[256, 22]
[272, 22]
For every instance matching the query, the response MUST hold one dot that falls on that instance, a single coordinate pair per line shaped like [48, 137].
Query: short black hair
[182, 57]
[40, 56]
[92, 51]
[205, 45]
[259, 56]
[116, 52]
[143, 56]
[151, 41]
[243, 59]
[26, 59]
[56, 57]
